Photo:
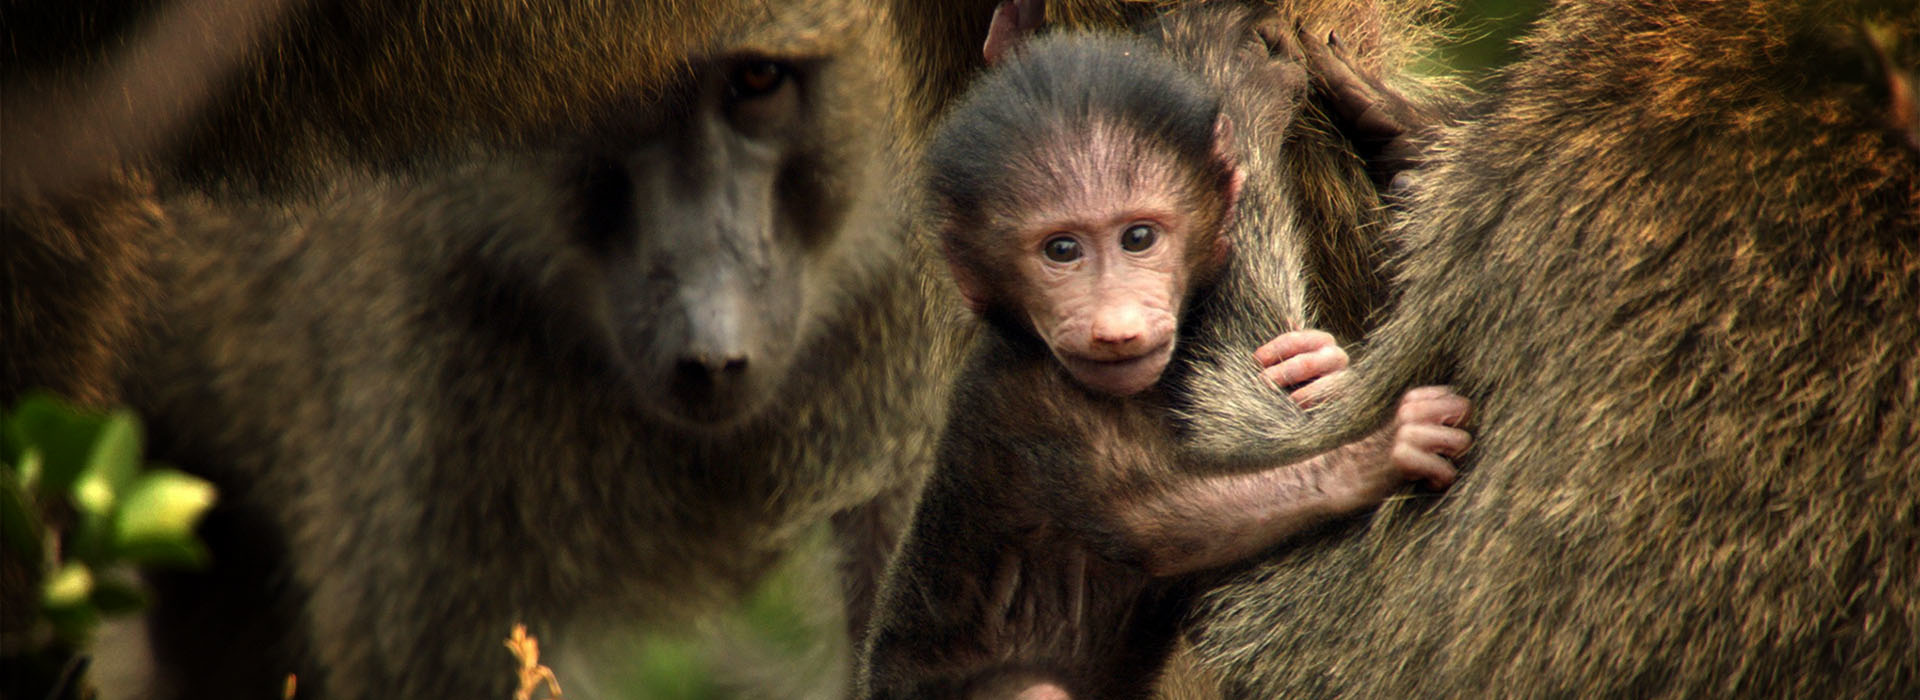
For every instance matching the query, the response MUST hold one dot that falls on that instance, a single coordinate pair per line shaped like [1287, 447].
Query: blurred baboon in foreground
[603, 371]
[1676, 265]
[110, 102]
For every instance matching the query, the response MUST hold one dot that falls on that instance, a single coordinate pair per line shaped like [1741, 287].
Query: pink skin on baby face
[1105, 294]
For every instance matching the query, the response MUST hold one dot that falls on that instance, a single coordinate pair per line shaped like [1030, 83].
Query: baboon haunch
[1083, 193]
[1675, 264]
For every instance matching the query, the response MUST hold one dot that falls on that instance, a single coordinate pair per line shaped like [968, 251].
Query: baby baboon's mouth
[1120, 377]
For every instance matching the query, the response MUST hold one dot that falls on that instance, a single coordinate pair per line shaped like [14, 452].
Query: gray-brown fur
[1675, 266]
[74, 275]
[443, 397]
[378, 83]
[112, 100]
[991, 583]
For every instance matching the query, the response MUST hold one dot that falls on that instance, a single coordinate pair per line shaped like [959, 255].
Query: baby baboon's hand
[1309, 364]
[1426, 436]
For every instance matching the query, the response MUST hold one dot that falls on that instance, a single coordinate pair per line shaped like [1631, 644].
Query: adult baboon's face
[722, 228]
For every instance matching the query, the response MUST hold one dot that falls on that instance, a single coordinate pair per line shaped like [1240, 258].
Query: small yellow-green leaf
[157, 516]
[93, 494]
[69, 587]
[111, 464]
[32, 467]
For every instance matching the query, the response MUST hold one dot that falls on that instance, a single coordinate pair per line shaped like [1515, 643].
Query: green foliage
[80, 510]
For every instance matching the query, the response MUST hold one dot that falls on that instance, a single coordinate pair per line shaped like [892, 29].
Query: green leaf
[118, 594]
[68, 587]
[75, 625]
[20, 527]
[63, 435]
[111, 464]
[157, 515]
[183, 553]
[32, 467]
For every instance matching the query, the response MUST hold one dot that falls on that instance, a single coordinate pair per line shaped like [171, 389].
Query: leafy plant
[80, 511]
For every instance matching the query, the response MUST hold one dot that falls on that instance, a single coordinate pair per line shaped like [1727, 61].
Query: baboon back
[1675, 267]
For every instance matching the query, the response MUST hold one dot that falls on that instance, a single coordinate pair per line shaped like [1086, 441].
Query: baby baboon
[1083, 193]
[1332, 204]
[1676, 266]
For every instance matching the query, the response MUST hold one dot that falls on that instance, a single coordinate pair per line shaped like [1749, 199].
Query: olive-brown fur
[1675, 266]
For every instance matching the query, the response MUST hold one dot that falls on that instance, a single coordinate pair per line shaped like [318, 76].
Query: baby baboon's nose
[1119, 330]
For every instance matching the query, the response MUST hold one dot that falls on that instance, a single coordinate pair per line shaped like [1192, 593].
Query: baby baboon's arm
[1202, 522]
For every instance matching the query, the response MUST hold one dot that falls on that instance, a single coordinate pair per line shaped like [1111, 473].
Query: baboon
[376, 83]
[495, 363]
[1336, 208]
[1675, 264]
[112, 103]
[411, 93]
[76, 285]
[1083, 192]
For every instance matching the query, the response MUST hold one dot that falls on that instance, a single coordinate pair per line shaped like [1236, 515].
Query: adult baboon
[1676, 265]
[584, 343]
[109, 101]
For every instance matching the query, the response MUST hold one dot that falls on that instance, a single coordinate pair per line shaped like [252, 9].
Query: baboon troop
[583, 313]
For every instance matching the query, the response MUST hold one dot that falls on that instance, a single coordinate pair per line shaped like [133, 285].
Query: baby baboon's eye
[751, 79]
[1062, 249]
[1138, 237]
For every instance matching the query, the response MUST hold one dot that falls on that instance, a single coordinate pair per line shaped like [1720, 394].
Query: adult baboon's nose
[712, 368]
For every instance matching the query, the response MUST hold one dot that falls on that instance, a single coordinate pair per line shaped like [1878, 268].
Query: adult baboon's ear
[1013, 22]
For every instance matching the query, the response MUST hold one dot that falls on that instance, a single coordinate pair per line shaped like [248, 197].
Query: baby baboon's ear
[1898, 82]
[972, 289]
[1223, 150]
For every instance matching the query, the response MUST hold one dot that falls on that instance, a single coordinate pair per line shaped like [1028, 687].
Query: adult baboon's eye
[1062, 249]
[1138, 237]
[752, 79]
